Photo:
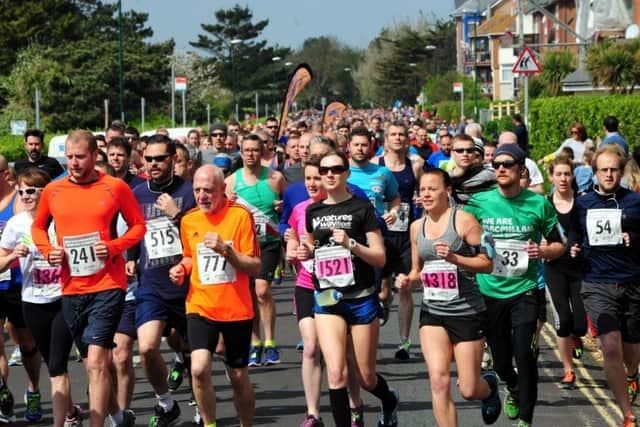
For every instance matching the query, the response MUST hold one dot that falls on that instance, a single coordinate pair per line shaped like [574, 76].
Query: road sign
[181, 84]
[457, 87]
[527, 63]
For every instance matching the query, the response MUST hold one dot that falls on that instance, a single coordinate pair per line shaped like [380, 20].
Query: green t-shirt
[511, 223]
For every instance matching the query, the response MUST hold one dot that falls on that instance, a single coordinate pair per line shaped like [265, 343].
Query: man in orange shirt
[84, 207]
[220, 252]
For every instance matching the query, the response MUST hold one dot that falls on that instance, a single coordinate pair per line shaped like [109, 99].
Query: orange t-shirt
[82, 209]
[219, 299]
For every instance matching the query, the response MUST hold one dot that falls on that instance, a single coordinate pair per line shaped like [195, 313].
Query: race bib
[5, 276]
[81, 255]
[261, 226]
[511, 258]
[46, 279]
[604, 227]
[440, 281]
[162, 238]
[213, 268]
[401, 224]
[307, 264]
[333, 267]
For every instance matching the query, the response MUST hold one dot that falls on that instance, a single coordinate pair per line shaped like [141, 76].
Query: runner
[220, 252]
[93, 275]
[41, 306]
[303, 296]
[563, 275]
[160, 305]
[446, 246]
[396, 239]
[516, 218]
[607, 223]
[346, 230]
[260, 189]
[34, 145]
[380, 186]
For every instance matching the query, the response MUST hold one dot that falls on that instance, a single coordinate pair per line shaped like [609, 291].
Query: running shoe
[271, 356]
[577, 348]
[129, 419]
[523, 424]
[176, 376]
[357, 416]
[632, 387]
[385, 305]
[511, 403]
[75, 419]
[487, 360]
[255, 356]
[311, 421]
[197, 418]
[6, 404]
[164, 418]
[568, 381]
[491, 406]
[390, 419]
[16, 357]
[300, 345]
[277, 276]
[629, 420]
[33, 412]
[403, 352]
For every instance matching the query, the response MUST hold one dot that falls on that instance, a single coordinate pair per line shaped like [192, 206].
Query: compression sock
[339, 399]
[382, 392]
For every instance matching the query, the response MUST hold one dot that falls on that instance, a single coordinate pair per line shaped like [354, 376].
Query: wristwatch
[352, 244]
[226, 252]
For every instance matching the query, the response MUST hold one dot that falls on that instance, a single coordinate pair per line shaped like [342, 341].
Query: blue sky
[354, 22]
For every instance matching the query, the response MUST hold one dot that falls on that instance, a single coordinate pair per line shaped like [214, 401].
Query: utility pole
[121, 73]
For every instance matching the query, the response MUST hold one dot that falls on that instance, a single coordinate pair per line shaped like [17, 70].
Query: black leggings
[568, 309]
[50, 333]
[511, 332]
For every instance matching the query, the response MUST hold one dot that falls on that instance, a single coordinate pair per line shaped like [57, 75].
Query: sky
[354, 22]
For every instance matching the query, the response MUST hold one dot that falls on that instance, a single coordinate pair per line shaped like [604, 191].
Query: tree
[386, 72]
[242, 62]
[615, 64]
[332, 64]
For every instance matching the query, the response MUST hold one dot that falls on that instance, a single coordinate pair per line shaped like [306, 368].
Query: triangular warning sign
[527, 63]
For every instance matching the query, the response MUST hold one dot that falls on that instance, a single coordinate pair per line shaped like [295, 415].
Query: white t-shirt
[534, 172]
[46, 288]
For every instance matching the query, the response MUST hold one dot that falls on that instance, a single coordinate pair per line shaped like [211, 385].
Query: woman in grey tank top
[446, 253]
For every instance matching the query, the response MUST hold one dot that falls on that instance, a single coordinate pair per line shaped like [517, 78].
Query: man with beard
[34, 144]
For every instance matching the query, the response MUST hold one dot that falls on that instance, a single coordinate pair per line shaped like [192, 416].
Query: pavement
[280, 397]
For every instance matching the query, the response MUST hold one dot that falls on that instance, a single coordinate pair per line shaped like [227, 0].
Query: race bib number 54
[604, 227]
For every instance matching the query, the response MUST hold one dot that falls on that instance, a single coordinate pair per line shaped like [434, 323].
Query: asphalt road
[280, 398]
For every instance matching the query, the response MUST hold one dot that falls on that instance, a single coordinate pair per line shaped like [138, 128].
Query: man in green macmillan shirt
[516, 218]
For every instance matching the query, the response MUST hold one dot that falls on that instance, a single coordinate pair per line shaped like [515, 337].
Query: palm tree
[556, 65]
[615, 64]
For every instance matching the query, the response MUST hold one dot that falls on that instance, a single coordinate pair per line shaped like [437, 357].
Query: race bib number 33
[511, 258]
[81, 255]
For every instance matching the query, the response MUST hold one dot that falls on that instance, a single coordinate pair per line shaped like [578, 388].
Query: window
[506, 75]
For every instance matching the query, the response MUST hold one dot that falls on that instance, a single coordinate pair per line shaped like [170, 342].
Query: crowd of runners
[180, 240]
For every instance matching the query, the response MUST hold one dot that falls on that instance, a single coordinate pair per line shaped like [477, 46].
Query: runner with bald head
[220, 252]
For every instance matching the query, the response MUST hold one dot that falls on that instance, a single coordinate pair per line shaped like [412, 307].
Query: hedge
[551, 119]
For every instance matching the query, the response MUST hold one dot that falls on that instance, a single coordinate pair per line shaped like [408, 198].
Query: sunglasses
[507, 164]
[335, 170]
[272, 127]
[464, 150]
[159, 158]
[30, 191]
[217, 134]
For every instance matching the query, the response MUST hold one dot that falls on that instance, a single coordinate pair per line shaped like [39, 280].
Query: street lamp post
[120, 60]
[275, 60]
[413, 65]
[234, 77]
